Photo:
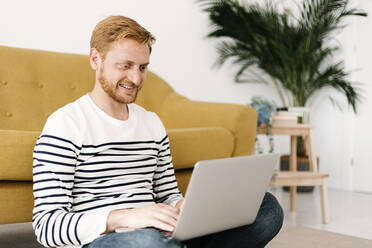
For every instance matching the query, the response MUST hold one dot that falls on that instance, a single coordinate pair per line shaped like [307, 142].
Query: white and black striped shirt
[87, 163]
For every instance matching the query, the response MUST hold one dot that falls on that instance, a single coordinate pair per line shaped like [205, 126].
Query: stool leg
[293, 168]
[312, 156]
[293, 196]
[324, 201]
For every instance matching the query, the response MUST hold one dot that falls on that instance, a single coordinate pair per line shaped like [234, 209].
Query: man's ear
[94, 58]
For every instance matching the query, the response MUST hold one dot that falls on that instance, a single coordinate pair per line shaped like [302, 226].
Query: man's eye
[143, 68]
[124, 66]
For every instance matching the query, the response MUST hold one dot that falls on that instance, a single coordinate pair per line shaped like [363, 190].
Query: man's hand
[160, 216]
[179, 204]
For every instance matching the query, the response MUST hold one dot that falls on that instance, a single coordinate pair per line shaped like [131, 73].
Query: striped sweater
[87, 163]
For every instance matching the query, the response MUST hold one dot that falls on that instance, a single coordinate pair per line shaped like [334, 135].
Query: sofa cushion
[189, 145]
[16, 149]
[17, 202]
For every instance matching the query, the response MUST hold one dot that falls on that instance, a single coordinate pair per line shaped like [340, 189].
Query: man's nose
[136, 76]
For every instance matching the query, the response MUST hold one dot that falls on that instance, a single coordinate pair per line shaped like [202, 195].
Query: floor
[350, 212]
[306, 237]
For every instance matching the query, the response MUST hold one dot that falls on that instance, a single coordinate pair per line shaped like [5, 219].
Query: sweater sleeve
[54, 161]
[165, 184]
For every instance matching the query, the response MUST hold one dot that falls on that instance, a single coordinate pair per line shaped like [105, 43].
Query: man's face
[123, 70]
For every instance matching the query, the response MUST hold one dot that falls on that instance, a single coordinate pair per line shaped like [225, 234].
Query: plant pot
[302, 165]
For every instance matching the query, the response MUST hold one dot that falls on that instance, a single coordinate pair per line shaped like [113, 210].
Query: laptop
[224, 194]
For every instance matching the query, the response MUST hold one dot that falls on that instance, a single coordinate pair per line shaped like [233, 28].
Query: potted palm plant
[294, 52]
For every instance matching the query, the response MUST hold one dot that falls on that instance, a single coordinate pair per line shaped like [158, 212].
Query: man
[103, 162]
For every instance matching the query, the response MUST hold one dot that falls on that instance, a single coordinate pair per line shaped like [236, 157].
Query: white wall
[362, 168]
[182, 56]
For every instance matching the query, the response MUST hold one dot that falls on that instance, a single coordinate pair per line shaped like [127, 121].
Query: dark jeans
[267, 224]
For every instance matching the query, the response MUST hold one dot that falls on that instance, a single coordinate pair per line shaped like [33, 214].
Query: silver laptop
[223, 194]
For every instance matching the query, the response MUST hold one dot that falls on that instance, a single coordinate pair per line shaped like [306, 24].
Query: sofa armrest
[240, 120]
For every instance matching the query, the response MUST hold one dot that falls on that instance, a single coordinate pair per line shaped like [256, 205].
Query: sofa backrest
[34, 84]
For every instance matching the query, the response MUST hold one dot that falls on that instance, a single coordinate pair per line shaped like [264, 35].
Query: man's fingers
[165, 217]
[166, 234]
[168, 207]
[171, 211]
[162, 225]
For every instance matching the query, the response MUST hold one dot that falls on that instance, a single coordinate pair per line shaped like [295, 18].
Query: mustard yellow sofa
[33, 84]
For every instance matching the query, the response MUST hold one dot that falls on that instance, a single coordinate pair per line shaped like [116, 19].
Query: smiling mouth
[127, 86]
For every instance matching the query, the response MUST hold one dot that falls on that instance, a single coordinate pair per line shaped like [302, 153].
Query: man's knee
[270, 215]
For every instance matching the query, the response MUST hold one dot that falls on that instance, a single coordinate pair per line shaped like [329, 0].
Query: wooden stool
[293, 178]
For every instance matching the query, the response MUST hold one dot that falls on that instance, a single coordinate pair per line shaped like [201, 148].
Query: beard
[113, 91]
